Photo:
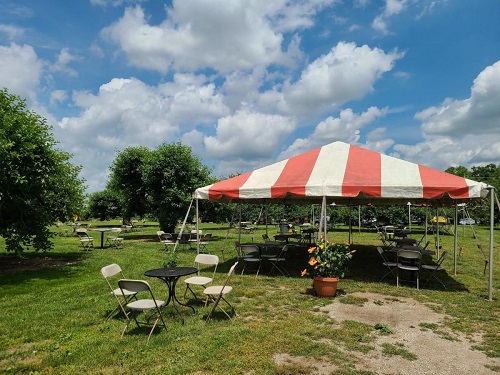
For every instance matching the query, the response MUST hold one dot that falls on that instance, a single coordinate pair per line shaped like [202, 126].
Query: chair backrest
[284, 251]
[135, 286]
[230, 274]
[207, 237]
[381, 252]
[116, 230]
[410, 255]
[249, 249]
[82, 233]
[110, 271]
[160, 233]
[442, 258]
[207, 259]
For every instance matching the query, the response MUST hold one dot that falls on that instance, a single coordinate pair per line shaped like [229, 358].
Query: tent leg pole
[492, 227]
[455, 241]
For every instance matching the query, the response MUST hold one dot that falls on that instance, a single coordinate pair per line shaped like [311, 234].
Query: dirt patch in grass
[415, 330]
[10, 264]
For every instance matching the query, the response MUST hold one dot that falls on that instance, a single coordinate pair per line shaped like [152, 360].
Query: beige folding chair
[141, 305]
[409, 260]
[86, 242]
[201, 260]
[392, 266]
[216, 293]
[114, 239]
[166, 239]
[109, 272]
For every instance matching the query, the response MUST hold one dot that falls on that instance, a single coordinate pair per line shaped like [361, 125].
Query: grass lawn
[52, 317]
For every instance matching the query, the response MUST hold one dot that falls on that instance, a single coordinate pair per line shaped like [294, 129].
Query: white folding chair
[86, 242]
[119, 294]
[114, 239]
[141, 305]
[166, 239]
[201, 260]
[216, 293]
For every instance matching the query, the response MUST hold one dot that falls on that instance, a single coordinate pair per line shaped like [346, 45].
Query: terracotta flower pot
[325, 286]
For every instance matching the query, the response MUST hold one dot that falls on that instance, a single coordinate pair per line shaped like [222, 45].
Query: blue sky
[248, 83]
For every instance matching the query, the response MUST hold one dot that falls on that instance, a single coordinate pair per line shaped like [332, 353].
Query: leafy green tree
[38, 184]
[104, 205]
[128, 182]
[171, 174]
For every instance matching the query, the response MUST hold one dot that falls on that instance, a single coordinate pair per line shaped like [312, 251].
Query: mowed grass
[52, 319]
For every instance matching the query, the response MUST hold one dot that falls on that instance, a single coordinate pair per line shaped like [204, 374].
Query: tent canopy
[344, 174]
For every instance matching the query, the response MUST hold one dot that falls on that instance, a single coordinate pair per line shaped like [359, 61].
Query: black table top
[171, 272]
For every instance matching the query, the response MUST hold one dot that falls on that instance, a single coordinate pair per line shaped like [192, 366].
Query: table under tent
[345, 174]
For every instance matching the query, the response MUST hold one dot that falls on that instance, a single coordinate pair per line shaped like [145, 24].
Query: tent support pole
[492, 228]
[455, 241]
[438, 245]
[183, 225]
[197, 231]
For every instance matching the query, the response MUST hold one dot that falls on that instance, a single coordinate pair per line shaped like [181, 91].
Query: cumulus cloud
[248, 135]
[61, 65]
[218, 35]
[347, 72]
[128, 112]
[461, 131]
[347, 128]
[21, 70]
[392, 8]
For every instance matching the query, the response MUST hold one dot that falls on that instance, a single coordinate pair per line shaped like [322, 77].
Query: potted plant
[327, 263]
[171, 260]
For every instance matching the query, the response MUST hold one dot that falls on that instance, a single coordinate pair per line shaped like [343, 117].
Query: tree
[127, 181]
[38, 184]
[171, 174]
[104, 205]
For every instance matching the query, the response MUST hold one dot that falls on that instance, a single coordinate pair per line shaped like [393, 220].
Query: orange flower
[312, 261]
[311, 250]
[303, 273]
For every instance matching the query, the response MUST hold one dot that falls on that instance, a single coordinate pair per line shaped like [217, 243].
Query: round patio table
[102, 230]
[170, 276]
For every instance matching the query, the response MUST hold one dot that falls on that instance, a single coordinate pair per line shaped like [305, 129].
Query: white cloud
[127, 112]
[223, 35]
[477, 114]
[61, 65]
[346, 73]
[346, 128]
[248, 135]
[461, 132]
[21, 70]
[12, 32]
[392, 8]
[58, 96]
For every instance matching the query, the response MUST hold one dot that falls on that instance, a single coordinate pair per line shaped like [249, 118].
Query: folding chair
[281, 258]
[390, 265]
[166, 239]
[432, 268]
[114, 238]
[216, 293]
[251, 255]
[141, 305]
[199, 261]
[409, 260]
[108, 272]
[86, 242]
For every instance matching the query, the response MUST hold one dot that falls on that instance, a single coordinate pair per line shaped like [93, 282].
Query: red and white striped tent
[345, 174]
